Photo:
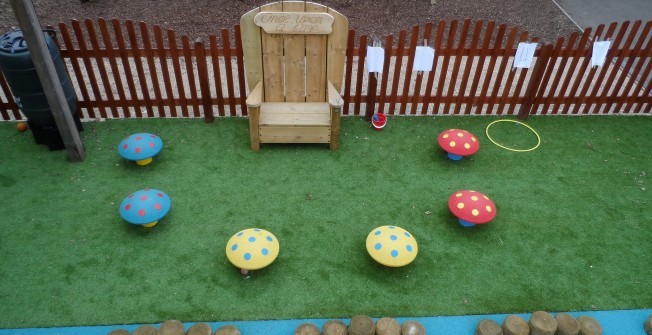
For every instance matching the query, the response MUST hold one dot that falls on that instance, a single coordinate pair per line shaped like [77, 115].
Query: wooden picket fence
[127, 70]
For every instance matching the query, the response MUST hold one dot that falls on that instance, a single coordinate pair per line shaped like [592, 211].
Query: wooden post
[535, 81]
[254, 119]
[542, 323]
[371, 96]
[204, 87]
[336, 113]
[33, 34]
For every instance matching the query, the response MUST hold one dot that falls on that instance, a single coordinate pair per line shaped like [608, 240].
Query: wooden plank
[535, 81]
[349, 72]
[217, 75]
[117, 75]
[165, 71]
[95, 45]
[73, 55]
[11, 104]
[272, 51]
[624, 72]
[431, 76]
[561, 58]
[204, 86]
[577, 55]
[604, 69]
[360, 75]
[443, 72]
[484, 55]
[414, 40]
[510, 79]
[467, 68]
[228, 67]
[632, 78]
[502, 69]
[133, 39]
[389, 40]
[419, 78]
[294, 22]
[190, 73]
[540, 94]
[240, 64]
[398, 65]
[337, 43]
[294, 51]
[453, 79]
[295, 114]
[294, 134]
[178, 77]
[251, 48]
[88, 67]
[520, 85]
[633, 104]
[316, 60]
[484, 97]
[151, 65]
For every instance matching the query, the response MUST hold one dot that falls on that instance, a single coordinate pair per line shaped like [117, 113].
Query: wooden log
[119, 332]
[306, 329]
[589, 326]
[145, 330]
[388, 326]
[488, 327]
[228, 330]
[515, 325]
[648, 325]
[412, 328]
[542, 323]
[200, 329]
[171, 327]
[361, 325]
[334, 327]
[566, 324]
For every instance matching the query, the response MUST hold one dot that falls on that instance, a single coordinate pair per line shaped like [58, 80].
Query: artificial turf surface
[572, 231]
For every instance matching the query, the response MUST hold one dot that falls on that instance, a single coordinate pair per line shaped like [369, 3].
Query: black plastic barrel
[18, 69]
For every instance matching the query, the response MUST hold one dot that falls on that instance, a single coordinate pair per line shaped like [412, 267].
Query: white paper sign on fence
[524, 55]
[375, 59]
[600, 50]
[423, 59]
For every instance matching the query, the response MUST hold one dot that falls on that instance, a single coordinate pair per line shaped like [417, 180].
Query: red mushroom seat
[471, 207]
[458, 143]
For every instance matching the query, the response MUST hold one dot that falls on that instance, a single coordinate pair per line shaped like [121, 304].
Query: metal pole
[33, 34]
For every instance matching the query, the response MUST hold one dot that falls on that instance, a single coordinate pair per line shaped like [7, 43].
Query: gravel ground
[199, 18]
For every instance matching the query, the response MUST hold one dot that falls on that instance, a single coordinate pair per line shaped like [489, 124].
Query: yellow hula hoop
[510, 149]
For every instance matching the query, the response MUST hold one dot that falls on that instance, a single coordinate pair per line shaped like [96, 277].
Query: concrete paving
[590, 13]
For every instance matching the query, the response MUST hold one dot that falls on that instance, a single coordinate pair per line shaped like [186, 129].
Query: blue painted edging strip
[621, 322]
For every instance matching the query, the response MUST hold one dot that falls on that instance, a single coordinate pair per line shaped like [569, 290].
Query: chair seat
[295, 114]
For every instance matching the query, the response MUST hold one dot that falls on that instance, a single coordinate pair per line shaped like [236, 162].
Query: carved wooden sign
[294, 22]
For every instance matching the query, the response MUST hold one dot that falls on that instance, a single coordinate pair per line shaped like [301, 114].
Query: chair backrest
[293, 49]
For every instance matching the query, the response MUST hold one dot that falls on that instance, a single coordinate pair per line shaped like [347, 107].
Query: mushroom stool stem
[151, 224]
[143, 162]
[454, 157]
[245, 273]
[466, 223]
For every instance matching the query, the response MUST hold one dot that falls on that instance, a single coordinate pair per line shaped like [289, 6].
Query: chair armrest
[255, 98]
[334, 98]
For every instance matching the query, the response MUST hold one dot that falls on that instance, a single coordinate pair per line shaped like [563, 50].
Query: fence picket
[383, 85]
[419, 78]
[577, 55]
[176, 65]
[362, 54]
[229, 72]
[414, 40]
[622, 98]
[467, 68]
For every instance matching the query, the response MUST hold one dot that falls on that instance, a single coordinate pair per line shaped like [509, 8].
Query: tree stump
[145, 330]
[648, 326]
[119, 332]
[306, 329]
[334, 327]
[515, 325]
[228, 330]
[542, 323]
[388, 326]
[412, 328]
[361, 325]
[199, 329]
[589, 326]
[488, 327]
[172, 327]
[566, 324]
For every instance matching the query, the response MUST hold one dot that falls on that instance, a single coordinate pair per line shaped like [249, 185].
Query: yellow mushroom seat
[252, 249]
[392, 246]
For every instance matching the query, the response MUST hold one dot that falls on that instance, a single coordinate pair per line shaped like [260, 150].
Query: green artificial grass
[572, 230]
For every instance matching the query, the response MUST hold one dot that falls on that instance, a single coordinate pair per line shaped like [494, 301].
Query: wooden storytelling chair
[294, 61]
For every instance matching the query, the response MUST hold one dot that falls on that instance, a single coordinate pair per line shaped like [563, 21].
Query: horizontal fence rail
[129, 70]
